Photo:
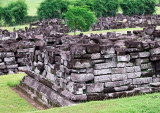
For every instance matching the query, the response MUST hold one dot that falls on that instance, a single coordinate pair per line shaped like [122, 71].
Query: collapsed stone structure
[65, 70]
[121, 21]
[70, 69]
[105, 23]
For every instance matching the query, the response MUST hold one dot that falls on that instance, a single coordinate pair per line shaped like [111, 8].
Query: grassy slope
[10, 102]
[138, 104]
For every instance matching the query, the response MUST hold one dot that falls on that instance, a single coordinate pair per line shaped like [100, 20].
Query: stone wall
[82, 68]
[64, 70]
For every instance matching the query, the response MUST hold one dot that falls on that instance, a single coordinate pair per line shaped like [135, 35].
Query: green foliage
[15, 12]
[52, 9]
[7, 15]
[149, 6]
[138, 7]
[100, 7]
[111, 7]
[1, 12]
[79, 18]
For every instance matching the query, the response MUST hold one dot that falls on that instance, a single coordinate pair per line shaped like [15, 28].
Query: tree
[52, 9]
[102, 8]
[1, 12]
[15, 12]
[79, 18]
[138, 7]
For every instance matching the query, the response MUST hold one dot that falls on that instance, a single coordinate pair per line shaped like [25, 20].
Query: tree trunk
[74, 31]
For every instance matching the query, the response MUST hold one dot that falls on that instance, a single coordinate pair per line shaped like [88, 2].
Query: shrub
[52, 9]
[15, 12]
[149, 6]
[100, 7]
[111, 7]
[7, 16]
[79, 18]
[138, 7]
[1, 12]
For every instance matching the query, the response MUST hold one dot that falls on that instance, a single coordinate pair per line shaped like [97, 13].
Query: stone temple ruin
[65, 70]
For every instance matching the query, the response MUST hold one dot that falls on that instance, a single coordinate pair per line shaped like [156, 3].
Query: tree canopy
[52, 9]
[80, 18]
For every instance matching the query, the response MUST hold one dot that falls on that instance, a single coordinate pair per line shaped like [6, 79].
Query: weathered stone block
[130, 69]
[93, 48]
[98, 61]
[93, 88]
[137, 68]
[155, 51]
[146, 66]
[155, 84]
[155, 57]
[76, 88]
[141, 61]
[118, 70]
[144, 54]
[110, 56]
[95, 96]
[114, 84]
[121, 64]
[108, 51]
[96, 56]
[125, 58]
[134, 55]
[105, 65]
[129, 64]
[2, 66]
[103, 78]
[12, 66]
[79, 64]
[142, 80]
[6, 54]
[118, 89]
[102, 72]
[81, 77]
[134, 75]
[119, 77]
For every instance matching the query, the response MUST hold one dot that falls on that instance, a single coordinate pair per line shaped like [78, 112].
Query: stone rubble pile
[104, 23]
[121, 21]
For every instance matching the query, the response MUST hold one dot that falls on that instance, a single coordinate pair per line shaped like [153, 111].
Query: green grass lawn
[139, 104]
[17, 27]
[124, 30]
[10, 102]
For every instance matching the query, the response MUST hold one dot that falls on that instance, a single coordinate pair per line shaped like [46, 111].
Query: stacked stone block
[8, 63]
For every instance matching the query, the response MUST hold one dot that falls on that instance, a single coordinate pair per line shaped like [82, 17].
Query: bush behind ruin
[15, 13]
[1, 12]
[102, 8]
[138, 7]
[52, 9]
